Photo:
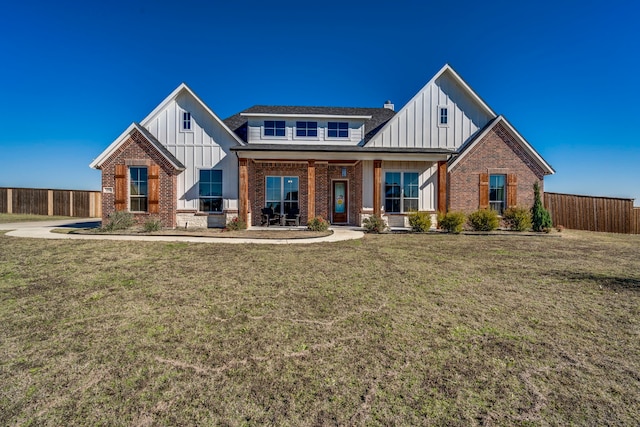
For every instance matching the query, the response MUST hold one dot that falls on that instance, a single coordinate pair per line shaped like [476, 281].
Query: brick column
[244, 190]
[311, 189]
[442, 187]
[377, 183]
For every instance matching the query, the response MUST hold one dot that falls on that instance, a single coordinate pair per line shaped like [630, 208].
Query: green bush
[540, 217]
[236, 224]
[152, 224]
[484, 220]
[451, 221]
[420, 221]
[517, 218]
[374, 224]
[119, 220]
[318, 224]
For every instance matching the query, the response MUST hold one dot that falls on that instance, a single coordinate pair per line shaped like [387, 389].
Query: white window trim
[306, 138]
[129, 188]
[402, 197]
[440, 108]
[342, 138]
[181, 121]
[221, 196]
[262, 129]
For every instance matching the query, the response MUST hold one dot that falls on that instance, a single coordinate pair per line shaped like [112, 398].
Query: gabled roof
[465, 149]
[173, 95]
[378, 116]
[97, 163]
[450, 72]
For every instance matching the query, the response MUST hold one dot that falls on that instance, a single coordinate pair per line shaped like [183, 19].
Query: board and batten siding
[427, 180]
[254, 133]
[206, 146]
[417, 123]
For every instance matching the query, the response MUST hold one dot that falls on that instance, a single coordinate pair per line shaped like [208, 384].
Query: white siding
[367, 184]
[255, 132]
[428, 180]
[416, 124]
[206, 146]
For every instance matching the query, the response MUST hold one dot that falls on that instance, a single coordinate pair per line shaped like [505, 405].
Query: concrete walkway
[42, 230]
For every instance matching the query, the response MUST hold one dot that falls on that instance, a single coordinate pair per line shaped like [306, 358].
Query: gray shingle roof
[379, 116]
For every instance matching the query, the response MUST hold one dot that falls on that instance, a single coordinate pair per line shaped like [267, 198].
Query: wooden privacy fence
[37, 201]
[608, 214]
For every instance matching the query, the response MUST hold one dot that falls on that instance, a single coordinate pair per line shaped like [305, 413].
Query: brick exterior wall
[137, 151]
[496, 153]
[325, 175]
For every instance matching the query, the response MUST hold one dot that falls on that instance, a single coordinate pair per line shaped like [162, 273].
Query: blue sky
[75, 74]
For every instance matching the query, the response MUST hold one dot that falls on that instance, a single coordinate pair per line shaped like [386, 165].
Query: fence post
[50, 202]
[70, 203]
[9, 200]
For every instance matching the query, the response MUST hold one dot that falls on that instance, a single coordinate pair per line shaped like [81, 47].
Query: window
[444, 116]
[338, 130]
[210, 190]
[185, 124]
[274, 128]
[497, 193]
[138, 195]
[306, 128]
[282, 193]
[401, 192]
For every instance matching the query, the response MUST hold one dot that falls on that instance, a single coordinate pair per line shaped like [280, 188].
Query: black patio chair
[268, 217]
[292, 217]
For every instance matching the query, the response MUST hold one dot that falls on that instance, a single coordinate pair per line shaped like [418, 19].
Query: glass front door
[340, 203]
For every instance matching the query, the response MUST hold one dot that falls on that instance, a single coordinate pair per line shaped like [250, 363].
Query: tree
[540, 217]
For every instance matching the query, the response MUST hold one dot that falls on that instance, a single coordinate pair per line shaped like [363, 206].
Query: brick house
[444, 150]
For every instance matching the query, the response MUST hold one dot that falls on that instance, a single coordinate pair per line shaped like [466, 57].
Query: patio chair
[292, 217]
[268, 217]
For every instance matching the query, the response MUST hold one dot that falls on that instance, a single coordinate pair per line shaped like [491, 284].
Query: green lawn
[7, 218]
[388, 330]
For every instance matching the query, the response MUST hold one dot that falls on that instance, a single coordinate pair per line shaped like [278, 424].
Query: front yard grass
[427, 329]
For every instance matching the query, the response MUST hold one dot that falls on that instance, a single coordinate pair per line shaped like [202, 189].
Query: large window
[138, 189]
[306, 128]
[210, 191]
[282, 193]
[497, 193]
[401, 192]
[274, 128]
[338, 130]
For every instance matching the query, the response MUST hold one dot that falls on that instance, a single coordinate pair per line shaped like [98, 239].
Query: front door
[340, 203]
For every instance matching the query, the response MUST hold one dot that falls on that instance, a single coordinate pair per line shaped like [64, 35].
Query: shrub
[484, 220]
[152, 224]
[517, 218]
[540, 217]
[420, 221]
[452, 221]
[236, 224]
[119, 220]
[318, 224]
[374, 224]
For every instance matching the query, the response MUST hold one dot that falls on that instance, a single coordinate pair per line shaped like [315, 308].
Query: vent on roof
[388, 105]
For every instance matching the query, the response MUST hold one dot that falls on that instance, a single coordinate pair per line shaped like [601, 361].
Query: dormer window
[338, 130]
[307, 129]
[185, 123]
[444, 116]
[274, 128]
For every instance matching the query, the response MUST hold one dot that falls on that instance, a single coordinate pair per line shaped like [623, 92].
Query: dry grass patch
[390, 329]
[253, 233]
[6, 218]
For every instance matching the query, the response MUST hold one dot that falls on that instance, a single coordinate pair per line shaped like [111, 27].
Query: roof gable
[184, 90]
[528, 148]
[417, 125]
[135, 127]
